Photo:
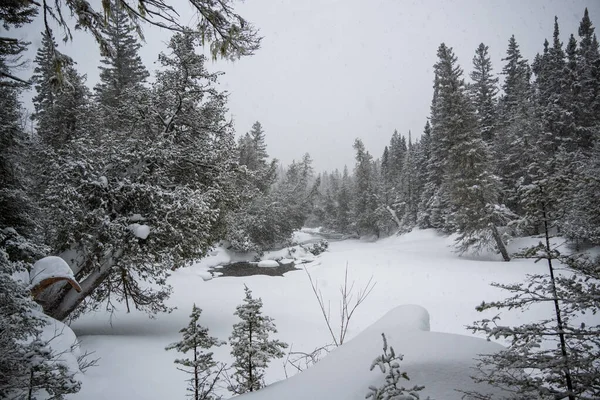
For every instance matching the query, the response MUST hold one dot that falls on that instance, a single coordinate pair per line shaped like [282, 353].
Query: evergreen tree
[13, 14]
[344, 204]
[141, 204]
[391, 389]
[410, 186]
[551, 97]
[588, 77]
[251, 347]
[426, 187]
[61, 109]
[558, 357]
[513, 149]
[204, 370]
[253, 154]
[483, 92]
[365, 202]
[471, 189]
[122, 76]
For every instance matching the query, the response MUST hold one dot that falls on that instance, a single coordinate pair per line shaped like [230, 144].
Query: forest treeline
[493, 160]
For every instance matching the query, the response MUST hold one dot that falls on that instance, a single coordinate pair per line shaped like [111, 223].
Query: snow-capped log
[49, 270]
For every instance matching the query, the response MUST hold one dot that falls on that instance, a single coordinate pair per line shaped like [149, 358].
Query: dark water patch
[244, 268]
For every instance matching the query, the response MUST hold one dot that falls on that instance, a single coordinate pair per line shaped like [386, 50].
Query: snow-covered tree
[205, 371]
[513, 147]
[143, 203]
[392, 388]
[121, 91]
[557, 357]
[365, 189]
[483, 92]
[251, 347]
[469, 190]
[62, 99]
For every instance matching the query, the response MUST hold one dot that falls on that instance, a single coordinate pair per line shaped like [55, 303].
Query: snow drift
[441, 361]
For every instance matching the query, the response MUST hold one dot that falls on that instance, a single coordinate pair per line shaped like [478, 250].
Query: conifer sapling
[250, 345]
[205, 370]
[391, 389]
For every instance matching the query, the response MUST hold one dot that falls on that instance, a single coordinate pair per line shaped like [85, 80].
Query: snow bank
[268, 264]
[63, 342]
[441, 361]
[50, 267]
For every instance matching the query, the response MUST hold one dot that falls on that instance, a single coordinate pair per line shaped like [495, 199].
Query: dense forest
[494, 161]
[137, 177]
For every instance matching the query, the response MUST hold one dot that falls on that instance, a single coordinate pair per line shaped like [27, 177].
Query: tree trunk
[499, 243]
[66, 301]
[394, 216]
[559, 322]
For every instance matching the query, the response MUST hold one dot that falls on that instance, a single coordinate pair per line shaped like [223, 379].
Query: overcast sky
[330, 71]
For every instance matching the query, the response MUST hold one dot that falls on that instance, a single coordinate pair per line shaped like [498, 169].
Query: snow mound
[402, 318]
[51, 268]
[442, 362]
[63, 342]
[205, 275]
[268, 264]
[140, 231]
[296, 253]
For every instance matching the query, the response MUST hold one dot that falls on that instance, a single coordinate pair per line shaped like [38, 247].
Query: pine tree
[483, 93]
[204, 370]
[250, 345]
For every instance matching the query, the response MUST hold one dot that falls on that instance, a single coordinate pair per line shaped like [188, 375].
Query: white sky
[330, 71]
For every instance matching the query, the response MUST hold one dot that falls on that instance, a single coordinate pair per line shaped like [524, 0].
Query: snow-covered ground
[418, 268]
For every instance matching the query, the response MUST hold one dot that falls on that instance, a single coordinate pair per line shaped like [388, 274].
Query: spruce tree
[513, 147]
[62, 103]
[251, 347]
[343, 217]
[204, 370]
[122, 75]
[588, 71]
[365, 201]
[472, 191]
[410, 186]
[558, 357]
[483, 93]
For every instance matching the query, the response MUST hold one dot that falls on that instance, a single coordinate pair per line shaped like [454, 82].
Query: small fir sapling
[204, 370]
[391, 389]
[250, 346]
